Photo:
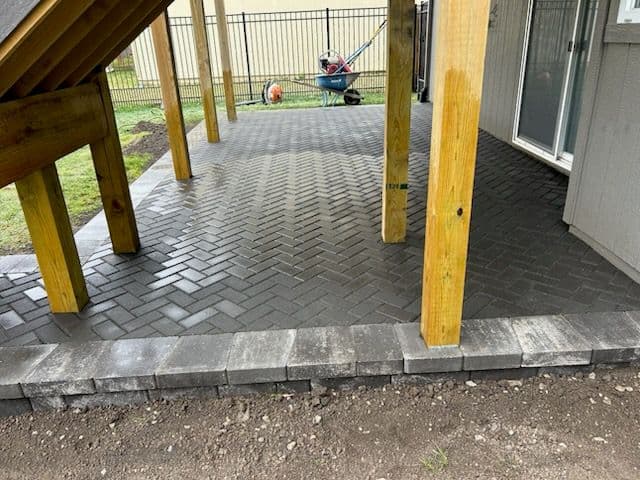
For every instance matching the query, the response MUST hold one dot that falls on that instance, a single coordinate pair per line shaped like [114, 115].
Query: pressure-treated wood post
[225, 60]
[112, 179]
[397, 123]
[171, 96]
[461, 39]
[204, 70]
[52, 238]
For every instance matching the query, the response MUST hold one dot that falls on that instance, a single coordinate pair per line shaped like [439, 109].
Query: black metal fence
[279, 45]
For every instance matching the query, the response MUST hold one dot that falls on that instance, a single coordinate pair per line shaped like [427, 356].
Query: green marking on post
[397, 186]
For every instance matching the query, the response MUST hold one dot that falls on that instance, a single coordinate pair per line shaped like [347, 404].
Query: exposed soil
[154, 143]
[545, 428]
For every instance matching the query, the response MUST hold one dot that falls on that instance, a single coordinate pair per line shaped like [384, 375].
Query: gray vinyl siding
[502, 67]
[603, 204]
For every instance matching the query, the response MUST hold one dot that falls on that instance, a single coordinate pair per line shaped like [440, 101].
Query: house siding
[603, 201]
[502, 67]
[603, 204]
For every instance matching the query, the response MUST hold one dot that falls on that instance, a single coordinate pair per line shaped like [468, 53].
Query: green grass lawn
[79, 185]
[128, 117]
[307, 101]
[78, 177]
[81, 193]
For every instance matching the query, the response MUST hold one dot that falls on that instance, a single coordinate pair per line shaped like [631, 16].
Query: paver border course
[122, 372]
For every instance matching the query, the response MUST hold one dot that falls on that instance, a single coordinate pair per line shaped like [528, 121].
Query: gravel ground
[575, 427]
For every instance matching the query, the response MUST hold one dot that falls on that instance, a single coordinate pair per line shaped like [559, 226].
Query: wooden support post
[225, 60]
[46, 215]
[397, 124]
[204, 70]
[171, 96]
[461, 38]
[112, 179]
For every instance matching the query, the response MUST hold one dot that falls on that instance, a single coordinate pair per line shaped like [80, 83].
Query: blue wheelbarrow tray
[336, 81]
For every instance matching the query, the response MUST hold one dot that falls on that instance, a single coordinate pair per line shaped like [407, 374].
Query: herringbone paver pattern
[280, 228]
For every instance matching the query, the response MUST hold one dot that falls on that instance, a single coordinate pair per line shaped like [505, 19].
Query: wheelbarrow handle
[379, 29]
[354, 56]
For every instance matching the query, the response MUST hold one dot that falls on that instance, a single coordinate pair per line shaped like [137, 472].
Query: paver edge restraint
[90, 374]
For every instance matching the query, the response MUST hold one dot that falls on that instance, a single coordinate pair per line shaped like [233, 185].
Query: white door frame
[556, 158]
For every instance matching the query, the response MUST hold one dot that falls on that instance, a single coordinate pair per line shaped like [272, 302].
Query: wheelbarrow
[338, 84]
[337, 76]
[335, 86]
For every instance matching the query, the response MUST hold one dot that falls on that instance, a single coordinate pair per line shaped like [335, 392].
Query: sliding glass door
[558, 34]
[581, 58]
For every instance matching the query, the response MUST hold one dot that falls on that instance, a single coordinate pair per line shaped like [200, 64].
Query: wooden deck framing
[171, 97]
[52, 19]
[461, 32]
[52, 238]
[36, 131]
[397, 122]
[204, 70]
[112, 178]
[225, 60]
[53, 102]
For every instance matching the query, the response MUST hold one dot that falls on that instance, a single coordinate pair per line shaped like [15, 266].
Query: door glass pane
[551, 31]
[582, 52]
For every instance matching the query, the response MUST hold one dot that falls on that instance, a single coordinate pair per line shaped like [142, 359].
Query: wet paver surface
[280, 228]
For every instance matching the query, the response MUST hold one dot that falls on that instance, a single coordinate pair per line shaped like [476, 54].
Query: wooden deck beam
[225, 60]
[397, 124]
[461, 39]
[171, 97]
[52, 238]
[42, 27]
[75, 35]
[87, 50]
[204, 70]
[112, 179]
[14, 41]
[36, 131]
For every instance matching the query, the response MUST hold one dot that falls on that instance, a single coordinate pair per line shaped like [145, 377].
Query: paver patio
[280, 228]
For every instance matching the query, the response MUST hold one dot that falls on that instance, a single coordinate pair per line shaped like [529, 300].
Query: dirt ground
[580, 427]
[155, 143]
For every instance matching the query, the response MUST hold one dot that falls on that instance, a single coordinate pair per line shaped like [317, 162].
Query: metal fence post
[416, 49]
[328, 31]
[133, 77]
[424, 96]
[246, 53]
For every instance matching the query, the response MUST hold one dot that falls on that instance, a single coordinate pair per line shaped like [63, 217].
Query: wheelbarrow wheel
[348, 100]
